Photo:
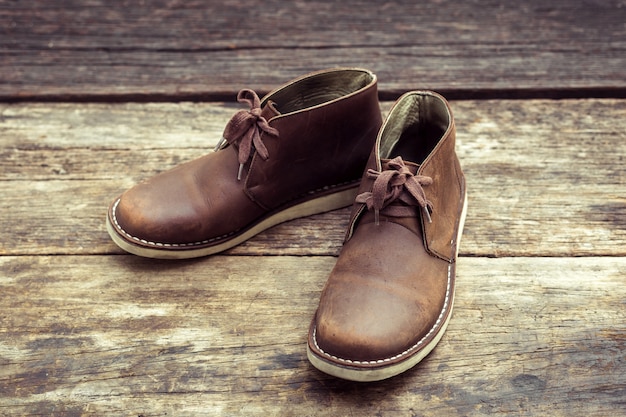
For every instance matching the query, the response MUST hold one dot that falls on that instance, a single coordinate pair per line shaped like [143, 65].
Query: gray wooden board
[545, 178]
[173, 50]
[225, 335]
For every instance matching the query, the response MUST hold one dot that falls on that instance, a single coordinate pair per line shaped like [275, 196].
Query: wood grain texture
[120, 335]
[173, 50]
[545, 178]
[539, 326]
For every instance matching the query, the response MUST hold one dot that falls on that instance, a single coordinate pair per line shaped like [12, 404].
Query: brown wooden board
[181, 50]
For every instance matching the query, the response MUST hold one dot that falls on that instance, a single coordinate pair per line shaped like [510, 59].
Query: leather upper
[326, 123]
[391, 289]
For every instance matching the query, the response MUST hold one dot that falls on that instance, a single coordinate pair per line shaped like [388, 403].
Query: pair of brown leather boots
[317, 144]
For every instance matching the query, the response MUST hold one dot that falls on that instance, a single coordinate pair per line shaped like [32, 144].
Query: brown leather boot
[389, 298]
[299, 151]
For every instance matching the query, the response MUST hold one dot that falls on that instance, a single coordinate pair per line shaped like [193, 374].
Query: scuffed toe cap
[356, 347]
[357, 331]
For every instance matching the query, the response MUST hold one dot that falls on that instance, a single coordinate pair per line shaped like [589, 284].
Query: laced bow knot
[397, 183]
[244, 129]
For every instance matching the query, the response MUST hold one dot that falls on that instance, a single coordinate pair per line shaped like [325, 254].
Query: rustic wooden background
[95, 96]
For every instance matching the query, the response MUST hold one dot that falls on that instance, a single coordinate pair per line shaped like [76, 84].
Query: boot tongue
[269, 111]
[413, 167]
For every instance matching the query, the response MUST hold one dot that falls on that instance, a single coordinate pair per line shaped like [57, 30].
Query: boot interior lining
[414, 127]
[318, 89]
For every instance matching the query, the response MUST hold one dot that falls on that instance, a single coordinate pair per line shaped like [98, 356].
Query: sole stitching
[159, 244]
[406, 352]
[203, 242]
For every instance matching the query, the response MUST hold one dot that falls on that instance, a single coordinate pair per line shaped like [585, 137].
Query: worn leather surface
[392, 286]
[327, 123]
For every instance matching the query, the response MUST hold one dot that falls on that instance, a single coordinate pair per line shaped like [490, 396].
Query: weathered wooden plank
[68, 217]
[231, 24]
[460, 72]
[197, 50]
[545, 178]
[120, 335]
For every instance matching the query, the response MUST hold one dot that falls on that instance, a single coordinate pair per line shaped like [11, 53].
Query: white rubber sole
[371, 374]
[322, 204]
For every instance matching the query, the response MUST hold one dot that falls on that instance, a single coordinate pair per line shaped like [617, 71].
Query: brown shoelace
[244, 129]
[396, 192]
